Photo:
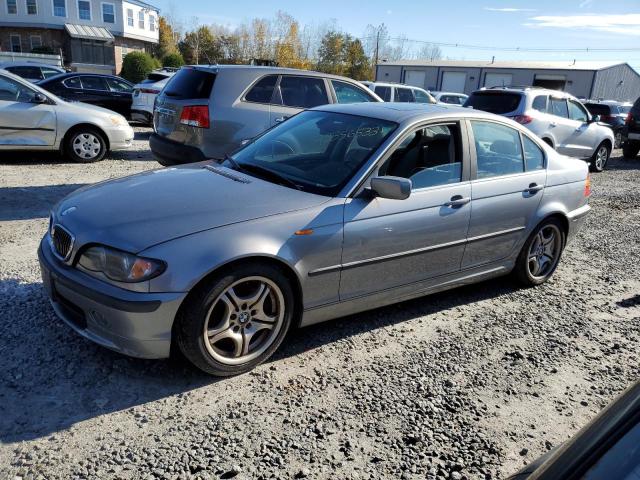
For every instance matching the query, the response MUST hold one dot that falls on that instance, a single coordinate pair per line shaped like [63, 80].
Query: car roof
[267, 70]
[29, 64]
[450, 93]
[403, 112]
[64, 76]
[524, 89]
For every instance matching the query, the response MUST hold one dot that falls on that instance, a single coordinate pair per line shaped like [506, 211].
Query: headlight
[120, 266]
[118, 120]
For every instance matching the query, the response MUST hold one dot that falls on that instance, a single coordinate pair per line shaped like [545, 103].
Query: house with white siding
[90, 35]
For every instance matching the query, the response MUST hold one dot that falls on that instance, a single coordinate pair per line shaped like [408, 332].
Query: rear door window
[347, 93]
[262, 91]
[384, 93]
[303, 92]
[540, 103]
[558, 107]
[94, 83]
[116, 85]
[422, 97]
[49, 72]
[190, 83]
[73, 82]
[494, 102]
[32, 73]
[404, 95]
[498, 149]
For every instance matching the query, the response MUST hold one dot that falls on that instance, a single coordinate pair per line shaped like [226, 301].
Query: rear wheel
[237, 320]
[600, 157]
[617, 139]
[85, 145]
[541, 253]
[630, 150]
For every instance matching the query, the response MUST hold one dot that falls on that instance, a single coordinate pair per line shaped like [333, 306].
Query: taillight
[587, 186]
[523, 119]
[629, 119]
[149, 90]
[195, 116]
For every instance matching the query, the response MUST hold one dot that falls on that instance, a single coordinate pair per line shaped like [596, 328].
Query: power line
[509, 49]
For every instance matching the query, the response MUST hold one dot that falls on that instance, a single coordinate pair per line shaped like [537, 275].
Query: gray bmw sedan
[338, 210]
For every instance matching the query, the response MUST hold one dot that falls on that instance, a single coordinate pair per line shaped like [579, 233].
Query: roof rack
[515, 87]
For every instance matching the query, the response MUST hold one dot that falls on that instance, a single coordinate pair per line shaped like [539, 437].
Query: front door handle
[280, 119]
[457, 201]
[534, 188]
[553, 124]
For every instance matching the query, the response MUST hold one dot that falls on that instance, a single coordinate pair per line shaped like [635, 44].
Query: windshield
[314, 151]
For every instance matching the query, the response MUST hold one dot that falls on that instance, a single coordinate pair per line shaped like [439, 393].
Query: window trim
[11, 37]
[152, 23]
[6, 3]
[243, 96]
[141, 13]
[35, 4]
[132, 18]
[31, 37]
[53, 9]
[90, 19]
[113, 5]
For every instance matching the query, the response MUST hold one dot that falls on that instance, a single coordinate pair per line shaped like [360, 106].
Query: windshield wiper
[265, 172]
[234, 164]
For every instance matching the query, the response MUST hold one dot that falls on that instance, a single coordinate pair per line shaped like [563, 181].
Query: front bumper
[168, 152]
[132, 323]
[120, 137]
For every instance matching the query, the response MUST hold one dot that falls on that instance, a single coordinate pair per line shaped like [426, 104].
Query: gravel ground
[470, 383]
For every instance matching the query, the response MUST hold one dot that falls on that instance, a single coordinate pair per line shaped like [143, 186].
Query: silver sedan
[33, 119]
[338, 210]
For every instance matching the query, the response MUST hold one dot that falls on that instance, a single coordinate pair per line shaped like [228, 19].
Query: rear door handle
[280, 119]
[534, 188]
[457, 201]
[553, 124]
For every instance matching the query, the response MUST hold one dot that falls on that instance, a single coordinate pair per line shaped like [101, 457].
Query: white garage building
[605, 80]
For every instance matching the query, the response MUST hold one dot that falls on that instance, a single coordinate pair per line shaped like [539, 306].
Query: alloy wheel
[601, 157]
[86, 146]
[544, 251]
[244, 320]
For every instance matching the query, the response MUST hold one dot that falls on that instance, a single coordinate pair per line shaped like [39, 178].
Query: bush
[173, 60]
[136, 66]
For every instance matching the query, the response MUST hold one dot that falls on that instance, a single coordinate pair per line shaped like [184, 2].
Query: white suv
[391, 92]
[145, 93]
[556, 117]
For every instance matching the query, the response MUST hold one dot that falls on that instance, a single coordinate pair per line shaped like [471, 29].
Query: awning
[88, 32]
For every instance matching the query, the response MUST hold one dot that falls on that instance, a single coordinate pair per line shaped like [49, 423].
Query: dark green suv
[631, 146]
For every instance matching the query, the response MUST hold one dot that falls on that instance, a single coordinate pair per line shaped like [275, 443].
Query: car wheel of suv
[85, 145]
[237, 320]
[600, 157]
[630, 150]
[617, 139]
[541, 253]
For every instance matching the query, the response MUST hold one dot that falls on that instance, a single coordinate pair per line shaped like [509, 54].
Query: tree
[430, 52]
[330, 53]
[136, 66]
[197, 45]
[174, 60]
[357, 64]
[166, 39]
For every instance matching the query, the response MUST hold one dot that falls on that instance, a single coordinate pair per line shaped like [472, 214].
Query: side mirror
[595, 118]
[39, 98]
[394, 188]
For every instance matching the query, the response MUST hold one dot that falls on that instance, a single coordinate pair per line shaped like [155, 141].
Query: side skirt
[402, 293]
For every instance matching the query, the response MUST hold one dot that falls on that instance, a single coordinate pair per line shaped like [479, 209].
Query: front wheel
[600, 157]
[85, 145]
[541, 253]
[237, 320]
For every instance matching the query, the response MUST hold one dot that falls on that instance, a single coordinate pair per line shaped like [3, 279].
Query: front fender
[192, 258]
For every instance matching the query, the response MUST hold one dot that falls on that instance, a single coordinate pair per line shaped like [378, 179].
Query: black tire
[630, 150]
[597, 163]
[617, 138]
[93, 137]
[522, 269]
[193, 320]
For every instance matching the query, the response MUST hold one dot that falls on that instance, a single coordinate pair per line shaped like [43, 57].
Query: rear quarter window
[262, 91]
[190, 83]
[494, 102]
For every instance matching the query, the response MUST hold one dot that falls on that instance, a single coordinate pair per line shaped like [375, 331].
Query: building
[605, 80]
[90, 35]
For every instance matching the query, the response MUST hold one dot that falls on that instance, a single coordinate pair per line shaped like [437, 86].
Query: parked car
[613, 114]
[32, 118]
[107, 91]
[607, 448]
[340, 209]
[631, 142]
[209, 111]
[145, 93]
[556, 117]
[450, 97]
[32, 71]
[393, 92]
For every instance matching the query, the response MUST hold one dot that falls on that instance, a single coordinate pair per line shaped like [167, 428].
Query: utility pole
[375, 62]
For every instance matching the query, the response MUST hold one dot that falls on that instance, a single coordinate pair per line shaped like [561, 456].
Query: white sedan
[33, 119]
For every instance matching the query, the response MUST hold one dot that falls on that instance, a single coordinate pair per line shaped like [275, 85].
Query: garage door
[453, 82]
[498, 79]
[415, 78]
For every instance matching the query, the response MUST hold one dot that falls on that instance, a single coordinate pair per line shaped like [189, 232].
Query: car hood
[137, 212]
[87, 107]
